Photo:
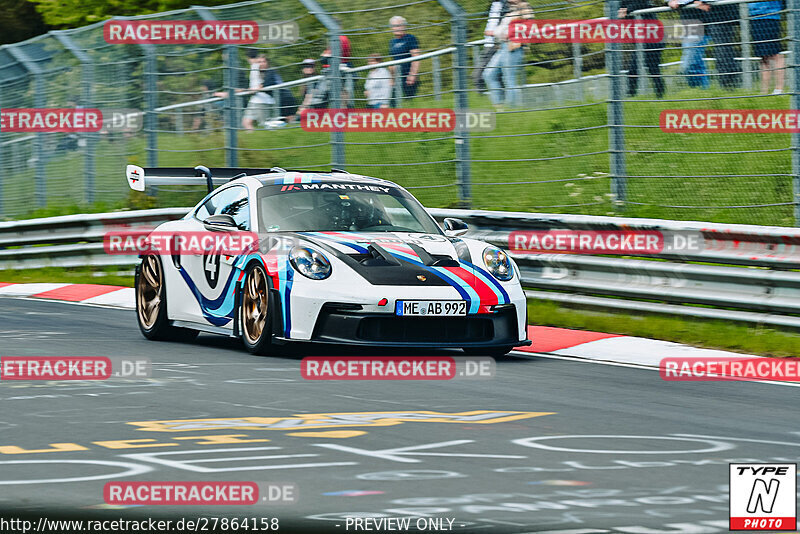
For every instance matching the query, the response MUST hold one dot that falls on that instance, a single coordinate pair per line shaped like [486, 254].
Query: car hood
[355, 243]
[414, 259]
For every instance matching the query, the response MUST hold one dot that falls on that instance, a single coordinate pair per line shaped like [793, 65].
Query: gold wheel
[151, 281]
[254, 306]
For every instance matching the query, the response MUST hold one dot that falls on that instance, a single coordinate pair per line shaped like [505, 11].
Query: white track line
[533, 355]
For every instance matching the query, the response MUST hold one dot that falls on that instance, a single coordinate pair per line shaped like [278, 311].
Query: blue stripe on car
[218, 311]
[468, 293]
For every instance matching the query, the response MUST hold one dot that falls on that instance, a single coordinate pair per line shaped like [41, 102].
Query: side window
[206, 209]
[232, 201]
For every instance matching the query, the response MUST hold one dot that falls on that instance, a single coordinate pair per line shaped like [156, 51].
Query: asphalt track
[628, 452]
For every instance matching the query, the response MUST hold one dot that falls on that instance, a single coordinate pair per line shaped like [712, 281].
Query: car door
[210, 275]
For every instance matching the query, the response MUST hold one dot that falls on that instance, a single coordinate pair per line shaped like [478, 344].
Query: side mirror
[220, 223]
[455, 227]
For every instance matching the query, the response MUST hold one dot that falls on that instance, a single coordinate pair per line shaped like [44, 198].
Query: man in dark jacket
[720, 22]
[652, 51]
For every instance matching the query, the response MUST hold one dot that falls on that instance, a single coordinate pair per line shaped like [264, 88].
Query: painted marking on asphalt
[130, 470]
[400, 454]
[329, 434]
[333, 420]
[535, 442]
[191, 464]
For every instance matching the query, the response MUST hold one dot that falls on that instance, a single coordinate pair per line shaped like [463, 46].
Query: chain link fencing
[577, 124]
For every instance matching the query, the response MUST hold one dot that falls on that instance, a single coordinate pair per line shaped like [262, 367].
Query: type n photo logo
[763, 497]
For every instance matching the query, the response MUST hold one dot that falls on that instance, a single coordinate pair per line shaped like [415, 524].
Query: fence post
[150, 104]
[437, 78]
[747, 46]
[334, 75]
[87, 96]
[577, 67]
[230, 79]
[641, 79]
[39, 101]
[460, 64]
[616, 132]
[398, 88]
[793, 28]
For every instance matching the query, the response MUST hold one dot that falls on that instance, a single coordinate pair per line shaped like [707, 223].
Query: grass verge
[113, 276]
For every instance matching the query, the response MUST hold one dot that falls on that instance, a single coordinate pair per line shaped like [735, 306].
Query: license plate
[431, 307]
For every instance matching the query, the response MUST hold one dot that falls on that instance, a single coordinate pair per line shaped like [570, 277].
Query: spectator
[693, 48]
[507, 59]
[344, 61]
[720, 23]
[652, 52]
[317, 96]
[258, 108]
[402, 46]
[199, 120]
[496, 9]
[378, 87]
[765, 20]
[344, 48]
[287, 105]
[309, 70]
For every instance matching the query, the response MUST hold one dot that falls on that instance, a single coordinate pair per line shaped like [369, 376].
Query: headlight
[498, 263]
[310, 263]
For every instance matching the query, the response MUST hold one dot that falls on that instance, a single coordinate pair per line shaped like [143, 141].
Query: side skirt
[211, 329]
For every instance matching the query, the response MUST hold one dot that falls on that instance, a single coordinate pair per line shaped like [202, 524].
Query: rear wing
[139, 178]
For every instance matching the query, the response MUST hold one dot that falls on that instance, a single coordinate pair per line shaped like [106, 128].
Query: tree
[19, 21]
[75, 13]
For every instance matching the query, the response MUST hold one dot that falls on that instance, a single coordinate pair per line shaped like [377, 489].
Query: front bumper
[352, 327]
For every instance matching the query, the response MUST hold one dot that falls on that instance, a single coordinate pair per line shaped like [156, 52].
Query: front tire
[151, 304]
[255, 315]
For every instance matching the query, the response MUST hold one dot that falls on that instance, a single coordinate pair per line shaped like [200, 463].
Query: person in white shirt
[507, 61]
[378, 87]
[258, 108]
[496, 9]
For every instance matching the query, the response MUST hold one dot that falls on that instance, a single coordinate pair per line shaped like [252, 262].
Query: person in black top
[652, 51]
[402, 46]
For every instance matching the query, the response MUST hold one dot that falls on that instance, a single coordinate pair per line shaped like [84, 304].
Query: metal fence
[577, 125]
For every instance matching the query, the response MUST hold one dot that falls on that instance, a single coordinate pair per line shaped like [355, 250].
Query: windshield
[341, 210]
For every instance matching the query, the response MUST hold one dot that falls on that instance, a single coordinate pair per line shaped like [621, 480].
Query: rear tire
[151, 304]
[255, 315]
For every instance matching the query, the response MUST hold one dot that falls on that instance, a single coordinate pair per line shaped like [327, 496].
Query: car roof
[289, 177]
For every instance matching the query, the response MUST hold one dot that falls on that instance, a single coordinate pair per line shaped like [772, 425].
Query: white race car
[340, 258]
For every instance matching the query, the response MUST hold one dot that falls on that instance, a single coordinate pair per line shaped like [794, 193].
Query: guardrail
[738, 272]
